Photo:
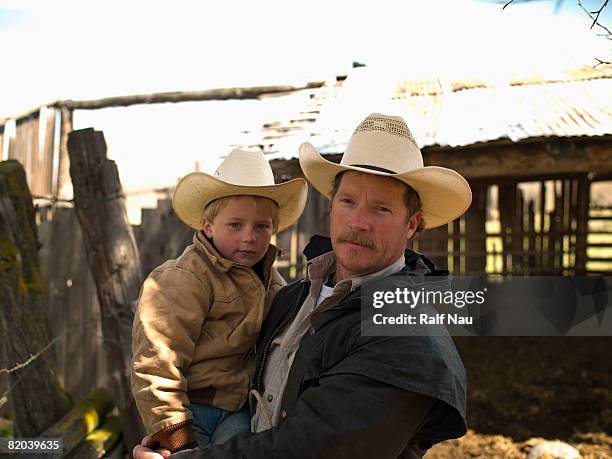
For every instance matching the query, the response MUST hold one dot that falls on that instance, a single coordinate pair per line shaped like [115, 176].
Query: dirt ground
[525, 390]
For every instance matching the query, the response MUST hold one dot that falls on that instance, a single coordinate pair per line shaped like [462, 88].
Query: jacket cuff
[175, 436]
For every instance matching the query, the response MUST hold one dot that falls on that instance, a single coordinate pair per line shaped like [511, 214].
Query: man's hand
[142, 452]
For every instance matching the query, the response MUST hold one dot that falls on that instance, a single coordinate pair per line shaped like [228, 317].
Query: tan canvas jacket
[193, 337]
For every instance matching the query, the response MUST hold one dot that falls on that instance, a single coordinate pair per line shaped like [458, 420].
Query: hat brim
[445, 195]
[197, 189]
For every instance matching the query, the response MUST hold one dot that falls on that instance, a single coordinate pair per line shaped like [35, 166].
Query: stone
[553, 449]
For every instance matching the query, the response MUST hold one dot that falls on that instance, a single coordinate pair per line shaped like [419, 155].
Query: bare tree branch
[600, 62]
[594, 15]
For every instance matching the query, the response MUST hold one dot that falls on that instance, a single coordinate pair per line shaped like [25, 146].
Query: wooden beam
[522, 160]
[61, 187]
[249, 92]
[45, 160]
[82, 419]
[187, 96]
[475, 230]
[533, 160]
[37, 398]
[99, 442]
[582, 225]
[113, 260]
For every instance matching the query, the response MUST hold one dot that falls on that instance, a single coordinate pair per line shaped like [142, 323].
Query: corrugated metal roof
[453, 113]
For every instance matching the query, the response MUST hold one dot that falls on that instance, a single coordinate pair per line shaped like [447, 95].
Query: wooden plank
[507, 202]
[81, 420]
[475, 221]
[46, 155]
[543, 260]
[456, 247]
[314, 220]
[161, 236]
[558, 230]
[63, 188]
[434, 244]
[25, 149]
[253, 92]
[24, 327]
[236, 93]
[73, 305]
[283, 241]
[99, 442]
[518, 250]
[532, 267]
[113, 260]
[506, 161]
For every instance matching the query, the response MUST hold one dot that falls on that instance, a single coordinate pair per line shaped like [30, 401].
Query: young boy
[199, 315]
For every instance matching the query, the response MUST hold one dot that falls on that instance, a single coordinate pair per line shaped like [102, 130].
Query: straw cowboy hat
[241, 173]
[383, 145]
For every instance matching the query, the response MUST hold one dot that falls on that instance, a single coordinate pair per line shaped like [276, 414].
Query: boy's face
[242, 230]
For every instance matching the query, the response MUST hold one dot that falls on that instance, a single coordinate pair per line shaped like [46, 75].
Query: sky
[87, 50]
[67, 49]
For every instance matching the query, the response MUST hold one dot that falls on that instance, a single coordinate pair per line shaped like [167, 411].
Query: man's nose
[360, 220]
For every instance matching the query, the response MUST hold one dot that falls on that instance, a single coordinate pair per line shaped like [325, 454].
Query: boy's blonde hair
[214, 207]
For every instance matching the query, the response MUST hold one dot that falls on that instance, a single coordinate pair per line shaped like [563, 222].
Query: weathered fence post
[113, 260]
[37, 398]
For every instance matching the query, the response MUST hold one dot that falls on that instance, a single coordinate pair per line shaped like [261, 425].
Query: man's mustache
[357, 238]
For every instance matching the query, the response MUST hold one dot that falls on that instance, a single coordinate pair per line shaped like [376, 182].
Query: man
[323, 390]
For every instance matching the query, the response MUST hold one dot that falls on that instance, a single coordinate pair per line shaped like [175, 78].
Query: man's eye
[383, 209]
[346, 200]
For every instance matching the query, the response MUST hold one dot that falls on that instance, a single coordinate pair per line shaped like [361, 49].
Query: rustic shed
[536, 149]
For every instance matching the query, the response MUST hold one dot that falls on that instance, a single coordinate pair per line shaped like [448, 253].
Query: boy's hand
[142, 452]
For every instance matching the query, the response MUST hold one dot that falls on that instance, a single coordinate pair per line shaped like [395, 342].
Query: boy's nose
[248, 235]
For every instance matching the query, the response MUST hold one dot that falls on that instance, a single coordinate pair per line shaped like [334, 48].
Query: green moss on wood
[9, 259]
[15, 177]
[100, 441]
[14, 184]
[6, 428]
[82, 419]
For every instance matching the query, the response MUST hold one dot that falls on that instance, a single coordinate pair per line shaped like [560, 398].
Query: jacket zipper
[268, 343]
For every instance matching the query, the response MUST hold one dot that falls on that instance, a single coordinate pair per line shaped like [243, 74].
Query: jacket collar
[201, 242]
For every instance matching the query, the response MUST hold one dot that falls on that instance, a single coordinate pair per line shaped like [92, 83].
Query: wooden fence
[503, 232]
[543, 227]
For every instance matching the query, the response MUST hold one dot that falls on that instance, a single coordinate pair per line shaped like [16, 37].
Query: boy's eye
[264, 225]
[234, 225]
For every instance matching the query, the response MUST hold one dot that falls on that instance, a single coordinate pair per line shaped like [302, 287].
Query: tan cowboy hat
[241, 173]
[383, 145]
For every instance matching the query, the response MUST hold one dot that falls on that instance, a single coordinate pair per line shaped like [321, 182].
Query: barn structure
[536, 149]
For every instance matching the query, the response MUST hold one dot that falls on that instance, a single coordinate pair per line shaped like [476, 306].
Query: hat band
[374, 168]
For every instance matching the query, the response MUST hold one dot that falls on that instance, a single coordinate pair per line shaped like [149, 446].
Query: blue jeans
[214, 426]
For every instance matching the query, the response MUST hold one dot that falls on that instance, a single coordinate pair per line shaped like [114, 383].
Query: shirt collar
[323, 265]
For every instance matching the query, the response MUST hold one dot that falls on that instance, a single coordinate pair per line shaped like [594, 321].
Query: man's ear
[413, 224]
[207, 228]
